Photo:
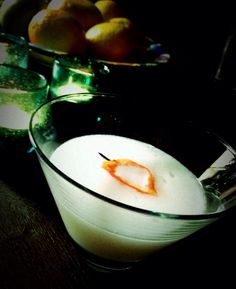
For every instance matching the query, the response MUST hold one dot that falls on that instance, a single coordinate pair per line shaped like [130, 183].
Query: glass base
[104, 265]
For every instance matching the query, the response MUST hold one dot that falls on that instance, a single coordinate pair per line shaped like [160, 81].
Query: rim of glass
[43, 83]
[203, 216]
[13, 38]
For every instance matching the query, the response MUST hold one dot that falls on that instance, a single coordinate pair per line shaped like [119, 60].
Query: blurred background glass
[13, 50]
[21, 92]
[72, 74]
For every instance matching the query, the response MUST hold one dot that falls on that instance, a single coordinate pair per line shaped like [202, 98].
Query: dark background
[195, 34]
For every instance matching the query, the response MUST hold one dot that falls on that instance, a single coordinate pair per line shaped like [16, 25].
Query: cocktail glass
[111, 234]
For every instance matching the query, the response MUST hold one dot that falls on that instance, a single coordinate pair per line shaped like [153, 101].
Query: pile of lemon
[74, 26]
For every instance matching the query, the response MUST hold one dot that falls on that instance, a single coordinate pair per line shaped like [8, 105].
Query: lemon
[113, 41]
[124, 21]
[83, 10]
[109, 9]
[57, 30]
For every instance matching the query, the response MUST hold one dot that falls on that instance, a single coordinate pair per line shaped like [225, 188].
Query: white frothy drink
[178, 190]
[111, 231]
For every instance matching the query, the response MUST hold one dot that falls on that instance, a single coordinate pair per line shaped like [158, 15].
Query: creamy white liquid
[111, 231]
[178, 190]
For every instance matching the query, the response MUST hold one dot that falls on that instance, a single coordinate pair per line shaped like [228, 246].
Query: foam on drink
[178, 190]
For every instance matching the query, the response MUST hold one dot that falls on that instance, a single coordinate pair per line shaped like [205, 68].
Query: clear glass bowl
[153, 56]
[114, 235]
[105, 76]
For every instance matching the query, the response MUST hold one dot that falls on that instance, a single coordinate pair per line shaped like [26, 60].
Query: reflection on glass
[71, 74]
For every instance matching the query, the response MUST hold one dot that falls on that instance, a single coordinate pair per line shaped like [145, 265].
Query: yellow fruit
[137, 36]
[83, 10]
[57, 30]
[15, 15]
[111, 41]
[124, 21]
[109, 9]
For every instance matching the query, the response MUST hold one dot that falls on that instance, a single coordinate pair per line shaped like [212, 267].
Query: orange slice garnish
[112, 165]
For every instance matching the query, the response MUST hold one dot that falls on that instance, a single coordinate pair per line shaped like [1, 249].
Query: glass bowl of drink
[127, 185]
